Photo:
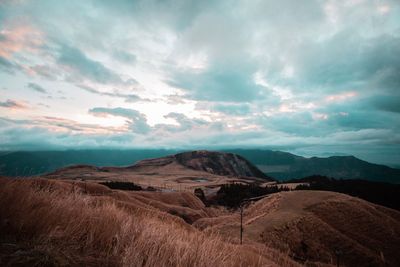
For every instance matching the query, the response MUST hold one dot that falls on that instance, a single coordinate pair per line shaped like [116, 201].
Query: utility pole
[338, 253]
[241, 224]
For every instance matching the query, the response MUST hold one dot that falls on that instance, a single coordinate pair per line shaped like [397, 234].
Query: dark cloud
[8, 66]
[37, 88]
[386, 102]
[298, 124]
[357, 120]
[12, 104]
[83, 67]
[345, 60]
[329, 121]
[362, 113]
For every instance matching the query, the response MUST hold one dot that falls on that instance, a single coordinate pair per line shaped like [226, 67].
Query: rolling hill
[219, 163]
[317, 227]
[70, 217]
[182, 171]
[75, 223]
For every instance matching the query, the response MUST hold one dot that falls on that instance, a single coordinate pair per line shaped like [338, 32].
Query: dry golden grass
[172, 176]
[62, 226]
[313, 225]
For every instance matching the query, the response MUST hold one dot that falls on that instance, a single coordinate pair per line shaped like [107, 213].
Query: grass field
[57, 225]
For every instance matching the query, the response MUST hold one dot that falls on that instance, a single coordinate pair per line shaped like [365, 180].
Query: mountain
[285, 166]
[182, 171]
[219, 163]
[277, 164]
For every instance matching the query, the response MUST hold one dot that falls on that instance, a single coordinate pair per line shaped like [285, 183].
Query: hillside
[74, 223]
[219, 163]
[182, 171]
[384, 194]
[60, 223]
[315, 226]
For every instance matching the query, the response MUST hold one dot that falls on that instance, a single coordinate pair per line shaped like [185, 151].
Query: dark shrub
[384, 194]
[198, 192]
[122, 186]
[231, 195]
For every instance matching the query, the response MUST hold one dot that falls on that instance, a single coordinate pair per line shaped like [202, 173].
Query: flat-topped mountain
[219, 163]
[174, 172]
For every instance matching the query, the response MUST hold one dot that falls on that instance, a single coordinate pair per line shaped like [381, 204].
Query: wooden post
[338, 253]
[241, 224]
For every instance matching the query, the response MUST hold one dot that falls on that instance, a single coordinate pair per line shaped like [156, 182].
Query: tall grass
[92, 230]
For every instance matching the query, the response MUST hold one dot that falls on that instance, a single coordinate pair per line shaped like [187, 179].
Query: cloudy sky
[313, 77]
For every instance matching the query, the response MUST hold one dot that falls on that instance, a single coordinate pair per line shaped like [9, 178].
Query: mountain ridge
[212, 162]
[278, 164]
[286, 166]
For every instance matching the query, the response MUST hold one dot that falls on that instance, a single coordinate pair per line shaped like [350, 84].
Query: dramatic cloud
[314, 77]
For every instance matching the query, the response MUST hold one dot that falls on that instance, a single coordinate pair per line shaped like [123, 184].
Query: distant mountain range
[27, 163]
[277, 164]
[285, 166]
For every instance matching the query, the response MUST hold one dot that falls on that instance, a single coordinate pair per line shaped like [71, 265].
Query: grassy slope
[313, 224]
[59, 223]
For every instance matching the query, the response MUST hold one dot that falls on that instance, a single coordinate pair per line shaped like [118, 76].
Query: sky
[312, 77]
